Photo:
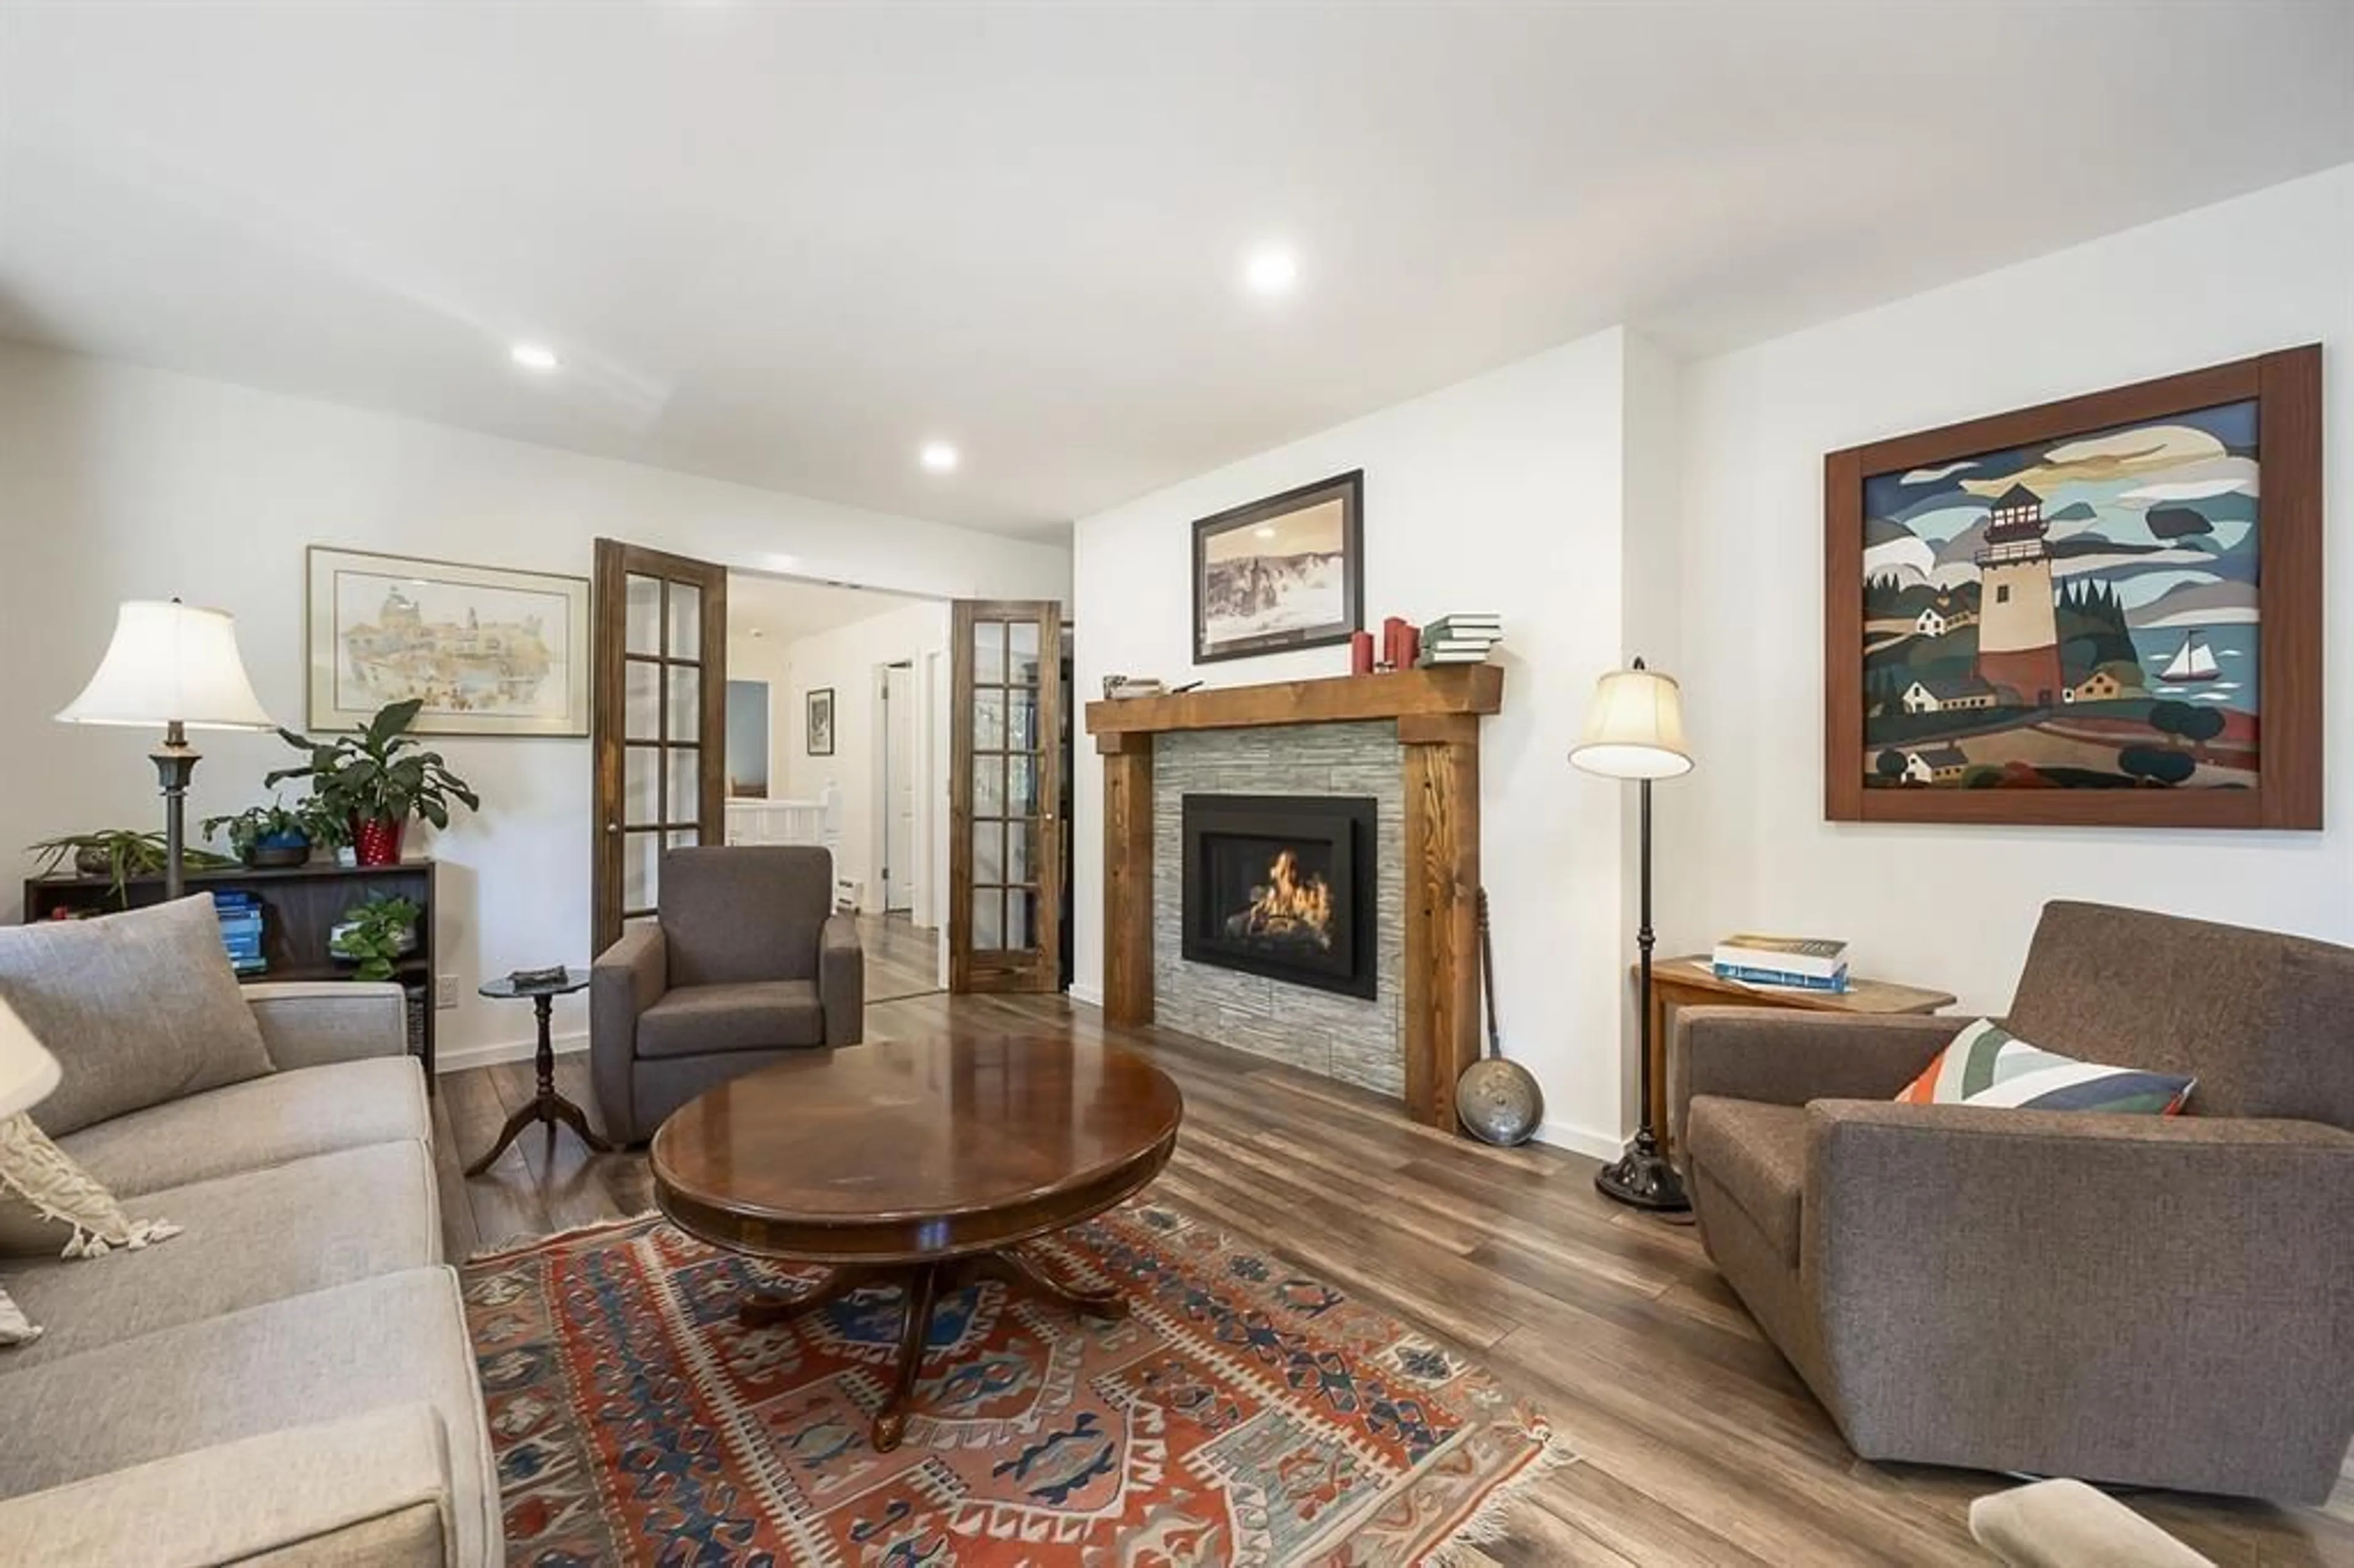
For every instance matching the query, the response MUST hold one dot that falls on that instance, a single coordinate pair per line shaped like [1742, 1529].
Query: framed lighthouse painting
[2103, 611]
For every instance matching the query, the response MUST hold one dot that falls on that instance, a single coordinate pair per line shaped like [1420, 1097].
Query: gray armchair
[2166, 1301]
[744, 962]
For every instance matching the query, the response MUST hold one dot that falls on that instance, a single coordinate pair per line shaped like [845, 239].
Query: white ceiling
[781, 609]
[787, 245]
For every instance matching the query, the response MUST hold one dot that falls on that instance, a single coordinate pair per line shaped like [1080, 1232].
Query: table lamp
[1635, 729]
[173, 665]
[27, 1071]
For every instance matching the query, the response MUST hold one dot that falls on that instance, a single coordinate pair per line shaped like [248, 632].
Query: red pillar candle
[1361, 653]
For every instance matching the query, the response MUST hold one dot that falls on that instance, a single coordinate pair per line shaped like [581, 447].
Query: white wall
[847, 657]
[1501, 493]
[119, 482]
[1743, 839]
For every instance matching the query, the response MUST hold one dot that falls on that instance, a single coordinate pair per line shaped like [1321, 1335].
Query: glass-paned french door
[1006, 844]
[657, 724]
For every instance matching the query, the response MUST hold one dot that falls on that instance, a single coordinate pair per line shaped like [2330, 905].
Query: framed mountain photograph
[1283, 573]
[2103, 611]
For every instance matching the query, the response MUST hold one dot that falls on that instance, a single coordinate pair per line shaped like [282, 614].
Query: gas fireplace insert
[1282, 885]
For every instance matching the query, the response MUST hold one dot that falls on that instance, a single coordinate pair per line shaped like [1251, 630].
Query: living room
[1090, 410]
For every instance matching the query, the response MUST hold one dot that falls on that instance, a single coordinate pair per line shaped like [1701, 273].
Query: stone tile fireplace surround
[1357, 1041]
[1410, 743]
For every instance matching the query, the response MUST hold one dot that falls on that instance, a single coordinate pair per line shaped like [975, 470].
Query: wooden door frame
[616, 563]
[1043, 973]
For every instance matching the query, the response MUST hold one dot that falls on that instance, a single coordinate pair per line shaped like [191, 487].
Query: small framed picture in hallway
[1286, 572]
[821, 722]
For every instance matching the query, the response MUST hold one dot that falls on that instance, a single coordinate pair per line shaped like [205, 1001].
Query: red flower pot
[377, 842]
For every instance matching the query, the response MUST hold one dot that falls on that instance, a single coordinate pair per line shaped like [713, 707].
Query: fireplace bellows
[1282, 885]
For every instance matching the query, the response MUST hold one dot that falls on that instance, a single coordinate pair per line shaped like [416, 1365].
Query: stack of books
[1462, 639]
[1803, 963]
[240, 925]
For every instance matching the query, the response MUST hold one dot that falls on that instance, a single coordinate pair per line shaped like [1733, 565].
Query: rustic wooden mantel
[1437, 714]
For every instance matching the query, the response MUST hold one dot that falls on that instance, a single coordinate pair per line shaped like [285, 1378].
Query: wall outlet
[445, 991]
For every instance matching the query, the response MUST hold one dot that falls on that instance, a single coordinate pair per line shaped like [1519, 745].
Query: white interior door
[899, 842]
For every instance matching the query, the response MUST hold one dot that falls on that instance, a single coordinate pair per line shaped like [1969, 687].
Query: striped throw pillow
[1984, 1066]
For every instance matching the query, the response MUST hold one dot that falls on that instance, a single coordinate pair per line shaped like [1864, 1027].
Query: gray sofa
[745, 963]
[288, 1379]
[2165, 1301]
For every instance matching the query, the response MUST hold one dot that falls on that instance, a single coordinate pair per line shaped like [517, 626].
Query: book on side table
[1799, 963]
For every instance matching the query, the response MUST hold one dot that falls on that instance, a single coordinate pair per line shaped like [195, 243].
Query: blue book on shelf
[1835, 984]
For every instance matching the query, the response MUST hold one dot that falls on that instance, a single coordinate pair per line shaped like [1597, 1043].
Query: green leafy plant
[248, 828]
[380, 774]
[118, 854]
[376, 933]
[329, 828]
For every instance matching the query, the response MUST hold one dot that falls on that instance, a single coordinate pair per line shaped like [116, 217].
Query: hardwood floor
[901, 960]
[1695, 1443]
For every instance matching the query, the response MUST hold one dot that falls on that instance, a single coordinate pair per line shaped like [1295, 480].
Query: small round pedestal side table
[916, 1164]
[547, 1105]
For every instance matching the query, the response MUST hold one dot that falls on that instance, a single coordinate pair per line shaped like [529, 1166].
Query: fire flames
[1288, 907]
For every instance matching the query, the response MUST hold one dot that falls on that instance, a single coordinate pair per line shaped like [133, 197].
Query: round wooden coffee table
[919, 1163]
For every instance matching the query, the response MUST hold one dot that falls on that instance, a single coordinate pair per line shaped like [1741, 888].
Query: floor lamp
[1635, 729]
[175, 666]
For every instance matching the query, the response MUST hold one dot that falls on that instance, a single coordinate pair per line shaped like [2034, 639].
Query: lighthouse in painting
[2019, 631]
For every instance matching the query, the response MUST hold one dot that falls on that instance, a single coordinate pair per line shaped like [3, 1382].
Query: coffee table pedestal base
[921, 1284]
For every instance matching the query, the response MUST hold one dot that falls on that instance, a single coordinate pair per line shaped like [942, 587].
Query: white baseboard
[458, 1059]
[1578, 1141]
[1091, 995]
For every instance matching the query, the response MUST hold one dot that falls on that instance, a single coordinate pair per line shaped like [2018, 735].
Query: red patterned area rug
[1241, 1414]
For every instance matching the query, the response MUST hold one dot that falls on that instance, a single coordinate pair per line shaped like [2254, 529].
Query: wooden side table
[1692, 982]
[546, 1105]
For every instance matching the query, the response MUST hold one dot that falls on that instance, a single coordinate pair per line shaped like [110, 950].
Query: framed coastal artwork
[488, 650]
[819, 736]
[2103, 611]
[1283, 573]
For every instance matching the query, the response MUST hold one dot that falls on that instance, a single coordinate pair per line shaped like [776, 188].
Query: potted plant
[266, 836]
[117, 854]
[375, 935]
[378, 778]
[329, 829]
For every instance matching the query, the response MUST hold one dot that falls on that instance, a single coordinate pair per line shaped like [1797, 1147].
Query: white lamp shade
[1635, 728]
[27, 1071]
[170, 662]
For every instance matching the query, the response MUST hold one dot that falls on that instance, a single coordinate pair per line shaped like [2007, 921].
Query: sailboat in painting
[2194, 661]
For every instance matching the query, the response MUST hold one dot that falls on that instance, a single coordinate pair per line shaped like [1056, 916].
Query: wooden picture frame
[492, 651]
[818, 722]
[1249, 601]
[2276, 517]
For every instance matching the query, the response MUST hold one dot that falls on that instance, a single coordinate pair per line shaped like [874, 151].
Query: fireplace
[1282, 885]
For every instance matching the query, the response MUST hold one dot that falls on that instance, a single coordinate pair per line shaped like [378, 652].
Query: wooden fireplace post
[1442, 889]
[1437, 714]
[1127, 877]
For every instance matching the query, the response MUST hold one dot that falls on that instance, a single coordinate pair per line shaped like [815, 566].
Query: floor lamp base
[1643, 1178]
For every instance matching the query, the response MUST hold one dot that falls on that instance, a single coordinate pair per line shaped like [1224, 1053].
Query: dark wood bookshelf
[299, 904]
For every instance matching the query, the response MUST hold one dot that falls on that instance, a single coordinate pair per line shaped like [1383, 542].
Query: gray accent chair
[2162, 1301]
[745, 962]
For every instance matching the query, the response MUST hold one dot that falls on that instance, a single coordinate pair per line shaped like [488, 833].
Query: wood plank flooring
[1695, 1442]
[901, 960]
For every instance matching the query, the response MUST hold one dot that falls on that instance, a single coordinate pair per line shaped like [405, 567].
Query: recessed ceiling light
[534, 357]
[938, 457]
[1264, 530]
[1271, 272]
